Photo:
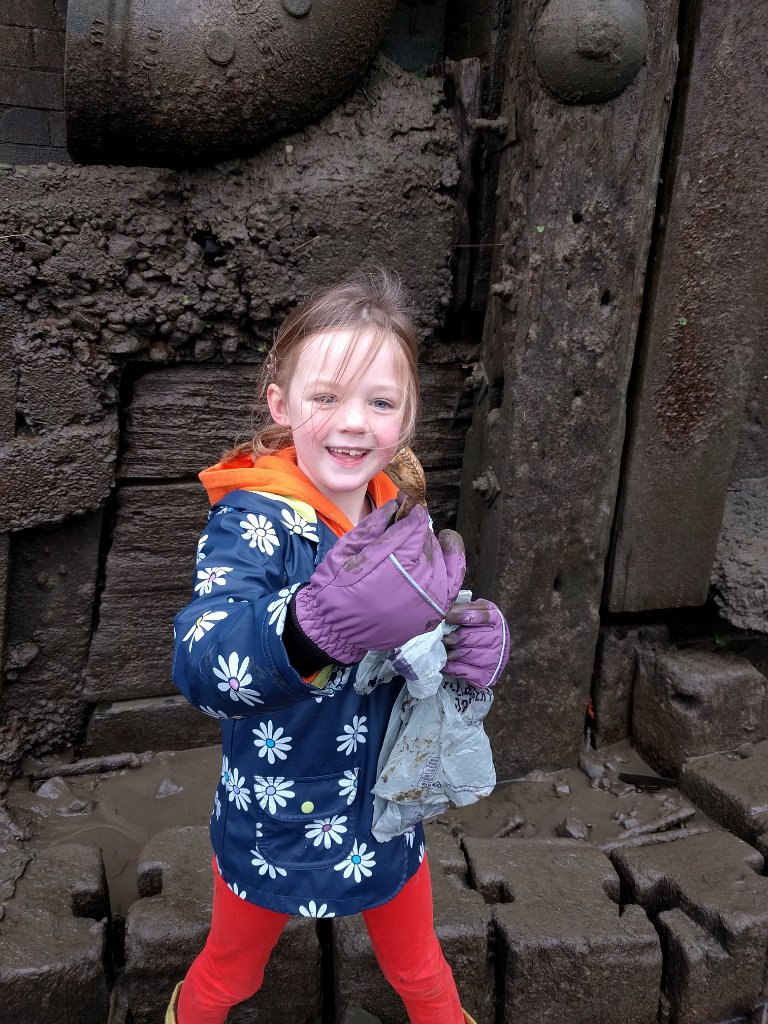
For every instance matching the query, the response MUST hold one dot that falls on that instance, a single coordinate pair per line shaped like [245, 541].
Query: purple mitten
[380, 586]
[478, 650]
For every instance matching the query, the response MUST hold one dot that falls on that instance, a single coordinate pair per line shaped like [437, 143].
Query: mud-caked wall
[136, 306]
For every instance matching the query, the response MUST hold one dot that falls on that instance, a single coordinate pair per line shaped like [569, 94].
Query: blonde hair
[373, 304]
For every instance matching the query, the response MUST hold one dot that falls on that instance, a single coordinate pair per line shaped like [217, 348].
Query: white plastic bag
[435, 753]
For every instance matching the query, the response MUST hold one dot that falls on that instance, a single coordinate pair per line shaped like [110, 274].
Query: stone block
[462, 923]
[566, 950]
[154, 723]
[58, 129]
[166, 928]
[149, 576]
[416, 32]
[715, 881]
[26, 87]
[732, 788]
[690, 702]
[49, 49]
[699, 971]
[21, 155]
[39, 13]
[740, 570]
[30, 127]
[15, 47]
[53, 935]
[614, 678]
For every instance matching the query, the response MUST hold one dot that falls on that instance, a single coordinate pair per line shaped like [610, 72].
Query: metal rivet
[297, 8]
[219, 46]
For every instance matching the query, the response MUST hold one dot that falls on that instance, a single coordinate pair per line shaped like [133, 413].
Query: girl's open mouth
[348, 456]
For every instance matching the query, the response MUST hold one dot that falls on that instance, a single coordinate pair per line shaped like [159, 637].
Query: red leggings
[231, 966]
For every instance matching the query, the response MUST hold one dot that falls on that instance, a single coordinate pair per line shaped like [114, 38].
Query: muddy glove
[478, 650]
[377, 587]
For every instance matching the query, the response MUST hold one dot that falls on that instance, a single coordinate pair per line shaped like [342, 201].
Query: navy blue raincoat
[291, 823]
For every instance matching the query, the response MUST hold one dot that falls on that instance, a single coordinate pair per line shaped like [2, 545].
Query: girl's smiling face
[346, 417]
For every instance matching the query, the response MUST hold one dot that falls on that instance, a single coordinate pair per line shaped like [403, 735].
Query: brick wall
[32, 81]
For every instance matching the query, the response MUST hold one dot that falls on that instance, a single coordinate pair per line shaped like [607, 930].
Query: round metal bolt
[588, 51]
[297, 8]
[219, 46]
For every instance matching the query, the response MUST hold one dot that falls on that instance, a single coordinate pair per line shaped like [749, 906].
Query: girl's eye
[383, 404]
[323, 399]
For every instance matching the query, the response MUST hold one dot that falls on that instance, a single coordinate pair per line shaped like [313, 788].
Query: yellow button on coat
[307, 807]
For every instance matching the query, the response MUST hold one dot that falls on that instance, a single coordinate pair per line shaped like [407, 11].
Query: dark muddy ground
[120, 811]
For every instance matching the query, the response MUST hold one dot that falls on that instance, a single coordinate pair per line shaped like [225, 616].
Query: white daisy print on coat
[272, 792]
[208, 710]
[240, 893]
[260, 533]
[202, 625]
[217, 806]
[326, 831]
[409, 835]
[270, 742]
[265, 868]
[236, 679]
[357, 863]
[226, 774]
[200, 546]
[239, 794]
[299, 525]
[348, 785]
[279, 607]
[421, 853]
[352, 735]
[337, 681]
[216, 576]
[312, 910]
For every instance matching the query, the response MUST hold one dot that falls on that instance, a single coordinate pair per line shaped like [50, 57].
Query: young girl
[302, 570]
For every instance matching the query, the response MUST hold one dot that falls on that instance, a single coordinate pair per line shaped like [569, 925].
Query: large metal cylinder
[174, 82]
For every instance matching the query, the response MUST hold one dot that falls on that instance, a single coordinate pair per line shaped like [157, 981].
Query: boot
[467, 1019]
[170, 1013]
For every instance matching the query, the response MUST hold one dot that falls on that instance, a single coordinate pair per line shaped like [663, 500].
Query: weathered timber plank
[149, 576]
[708, 314]
[576, 197]
[181, 419]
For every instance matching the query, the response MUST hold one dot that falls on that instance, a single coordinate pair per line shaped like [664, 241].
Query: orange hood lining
[280, 474]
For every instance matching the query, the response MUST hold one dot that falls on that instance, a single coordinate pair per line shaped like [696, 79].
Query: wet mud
[121, 811]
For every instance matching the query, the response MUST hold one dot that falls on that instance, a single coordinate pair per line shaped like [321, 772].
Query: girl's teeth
[349, 451]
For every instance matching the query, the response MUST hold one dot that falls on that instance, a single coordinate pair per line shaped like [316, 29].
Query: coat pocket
[308, 822]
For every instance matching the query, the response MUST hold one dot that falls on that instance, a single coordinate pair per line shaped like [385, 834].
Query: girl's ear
[278, 407]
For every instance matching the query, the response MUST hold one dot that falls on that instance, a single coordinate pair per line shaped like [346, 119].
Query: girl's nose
[352, 417]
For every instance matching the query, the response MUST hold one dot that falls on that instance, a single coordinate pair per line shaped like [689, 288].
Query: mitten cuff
[303, 653]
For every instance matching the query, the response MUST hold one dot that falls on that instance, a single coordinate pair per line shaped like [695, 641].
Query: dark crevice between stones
[327, 972]
[497, 951]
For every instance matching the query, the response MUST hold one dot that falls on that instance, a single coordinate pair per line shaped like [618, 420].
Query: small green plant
[721, 641]
[540, 228]
[185, 300]
[682, 321]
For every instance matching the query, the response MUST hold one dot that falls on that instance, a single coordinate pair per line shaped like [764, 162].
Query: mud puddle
[120, 811]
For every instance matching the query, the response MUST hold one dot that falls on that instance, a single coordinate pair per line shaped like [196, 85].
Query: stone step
[53, 935]
[710, 901]
[166, 929]
[566, 950]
